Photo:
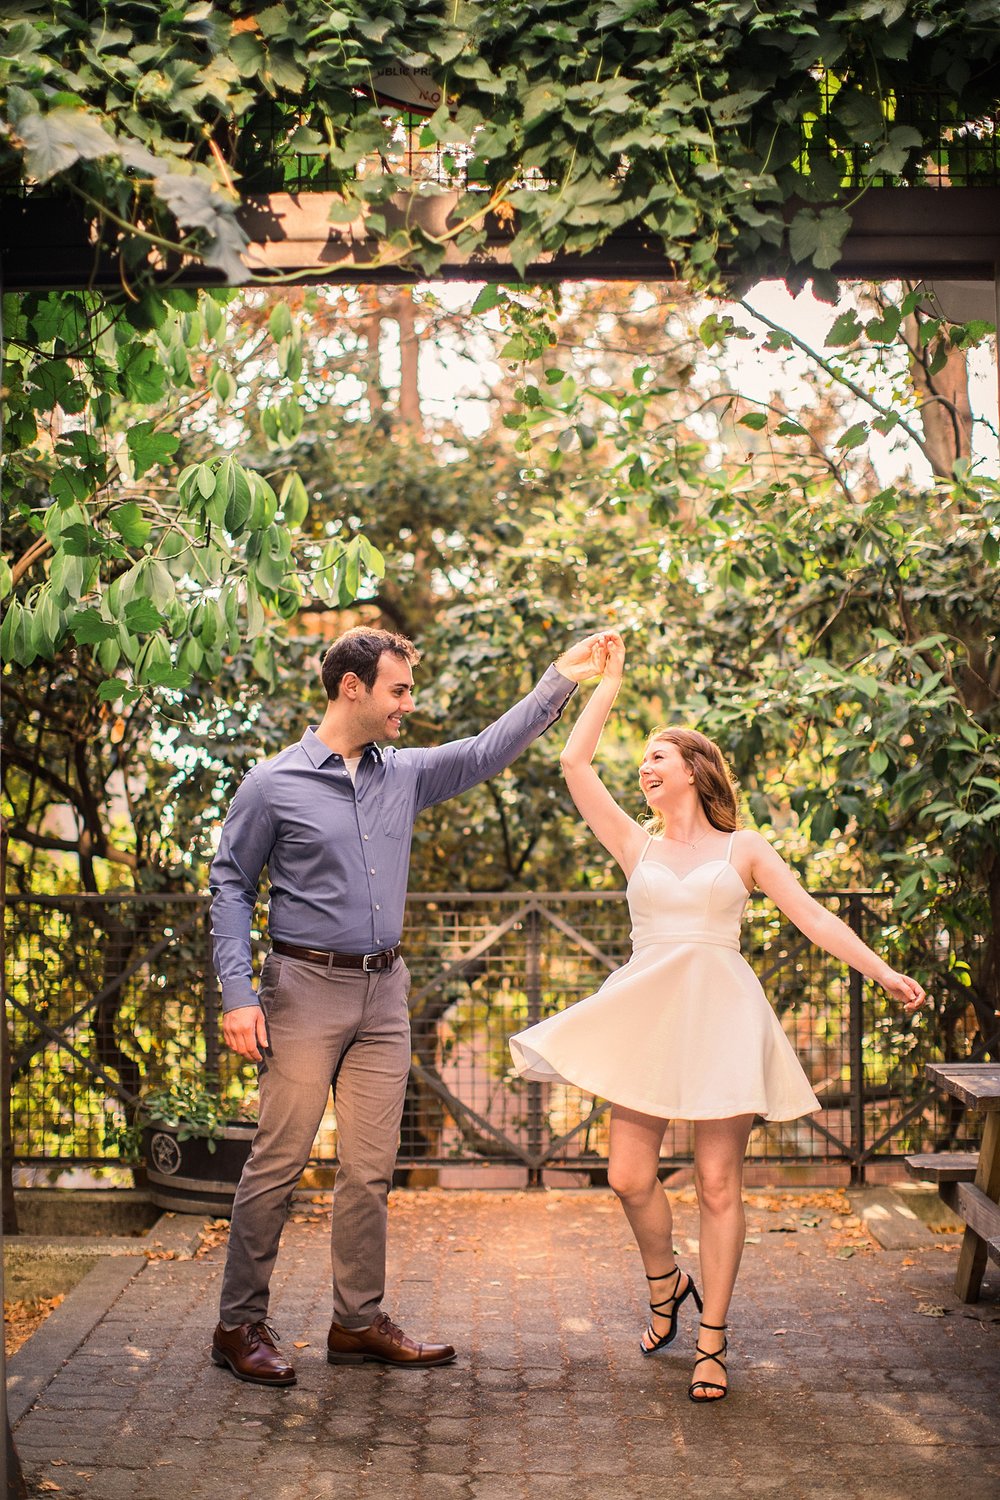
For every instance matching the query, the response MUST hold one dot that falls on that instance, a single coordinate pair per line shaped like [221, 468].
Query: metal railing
[110, 995]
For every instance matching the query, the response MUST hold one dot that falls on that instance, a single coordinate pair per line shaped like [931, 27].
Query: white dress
[683, 1030]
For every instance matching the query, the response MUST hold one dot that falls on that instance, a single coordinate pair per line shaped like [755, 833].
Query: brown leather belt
[369, 962]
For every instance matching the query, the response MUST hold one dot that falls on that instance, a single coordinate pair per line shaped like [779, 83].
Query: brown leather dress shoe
[251, 1353]
[385, 1344]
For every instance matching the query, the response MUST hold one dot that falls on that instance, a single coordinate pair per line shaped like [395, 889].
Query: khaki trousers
[338, 1028]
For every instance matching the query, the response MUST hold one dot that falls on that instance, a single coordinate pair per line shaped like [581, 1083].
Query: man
[332, 819]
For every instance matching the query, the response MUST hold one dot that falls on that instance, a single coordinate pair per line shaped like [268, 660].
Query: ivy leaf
[892, 158]
[129, 523]
[489, 296]
[853, 437]
[89, 629]
[143, 377]
[142, 617]
[846, 330]
[755, 420]
[55, 141]
[148, 448]
[818, 236]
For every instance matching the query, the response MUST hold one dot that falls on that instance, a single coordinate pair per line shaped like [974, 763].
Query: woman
[683, 1030]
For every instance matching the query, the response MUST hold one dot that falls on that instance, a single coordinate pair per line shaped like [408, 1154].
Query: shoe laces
[262, 1333]
[385, 1325]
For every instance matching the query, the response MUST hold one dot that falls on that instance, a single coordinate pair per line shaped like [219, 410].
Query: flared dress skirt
[683, 1030]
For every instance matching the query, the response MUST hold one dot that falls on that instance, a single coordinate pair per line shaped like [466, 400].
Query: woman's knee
[719, 1192]
[631, 1184]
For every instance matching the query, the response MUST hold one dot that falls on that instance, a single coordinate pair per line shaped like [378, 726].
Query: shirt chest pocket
[394, 812]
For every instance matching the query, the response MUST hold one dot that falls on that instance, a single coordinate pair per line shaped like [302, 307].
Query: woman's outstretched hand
[588, 658]
[614, 656]
[907, 991]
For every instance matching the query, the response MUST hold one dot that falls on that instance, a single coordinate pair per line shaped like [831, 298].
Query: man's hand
[245, 1031]
[588, 657]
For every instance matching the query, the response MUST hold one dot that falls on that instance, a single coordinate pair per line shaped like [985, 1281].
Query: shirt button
[372, 870]
[365, 837]
[377, 907]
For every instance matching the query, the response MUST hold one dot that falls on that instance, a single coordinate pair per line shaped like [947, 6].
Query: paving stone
[859, 1398]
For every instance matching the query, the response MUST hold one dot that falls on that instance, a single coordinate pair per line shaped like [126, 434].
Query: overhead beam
[912, 233]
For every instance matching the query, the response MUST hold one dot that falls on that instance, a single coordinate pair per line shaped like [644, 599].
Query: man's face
[390, 699]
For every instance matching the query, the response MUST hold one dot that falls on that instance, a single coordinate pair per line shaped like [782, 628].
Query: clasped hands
[599, 655]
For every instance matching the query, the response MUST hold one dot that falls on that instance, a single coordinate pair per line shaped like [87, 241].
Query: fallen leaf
[49, 1484]
[930, 1310]
[908, 1263]
[846, 1251]
[300, 1344]
[22, 1317]
[779, 1333]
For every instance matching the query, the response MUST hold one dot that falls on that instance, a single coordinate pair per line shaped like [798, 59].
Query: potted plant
[195, 1145]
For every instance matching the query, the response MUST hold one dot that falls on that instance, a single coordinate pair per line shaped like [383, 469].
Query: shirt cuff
[554, 689]
[237, 992]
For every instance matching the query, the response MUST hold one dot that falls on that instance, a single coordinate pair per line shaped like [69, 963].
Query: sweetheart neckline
[660, 864]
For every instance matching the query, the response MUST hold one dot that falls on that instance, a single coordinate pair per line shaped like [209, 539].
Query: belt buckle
[367, 964]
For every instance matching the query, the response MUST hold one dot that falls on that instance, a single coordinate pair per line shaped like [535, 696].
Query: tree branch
[839, 376]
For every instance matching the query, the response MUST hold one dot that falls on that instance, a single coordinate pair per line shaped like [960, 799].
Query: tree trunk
[945, 412]
[373, 338]
[409, 414]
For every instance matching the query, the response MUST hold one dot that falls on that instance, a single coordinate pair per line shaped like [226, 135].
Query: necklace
[688, 842]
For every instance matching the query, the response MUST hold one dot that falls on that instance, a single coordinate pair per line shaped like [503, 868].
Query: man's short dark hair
[360, 650]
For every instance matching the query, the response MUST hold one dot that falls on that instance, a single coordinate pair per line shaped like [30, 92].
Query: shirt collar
[318, 754]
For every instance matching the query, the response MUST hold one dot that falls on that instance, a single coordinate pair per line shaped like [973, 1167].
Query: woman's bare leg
[633, 1165]
[719, 1149]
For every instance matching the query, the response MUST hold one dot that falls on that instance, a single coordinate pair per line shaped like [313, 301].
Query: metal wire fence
[108, 996]
[962, 153]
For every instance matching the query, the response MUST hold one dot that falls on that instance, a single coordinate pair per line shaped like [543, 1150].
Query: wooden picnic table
[970, 1183]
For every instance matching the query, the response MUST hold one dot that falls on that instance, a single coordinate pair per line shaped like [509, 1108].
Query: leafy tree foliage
[699, 123]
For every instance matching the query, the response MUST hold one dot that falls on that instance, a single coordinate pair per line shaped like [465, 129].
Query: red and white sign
[408, 88]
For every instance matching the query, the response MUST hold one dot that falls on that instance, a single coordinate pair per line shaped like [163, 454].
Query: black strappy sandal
[674, 1303]
[710, 1385]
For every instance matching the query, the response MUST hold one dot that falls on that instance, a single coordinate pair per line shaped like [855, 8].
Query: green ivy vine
[731, 133]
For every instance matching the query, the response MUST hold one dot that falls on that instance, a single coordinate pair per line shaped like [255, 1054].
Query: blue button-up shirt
[338, 851]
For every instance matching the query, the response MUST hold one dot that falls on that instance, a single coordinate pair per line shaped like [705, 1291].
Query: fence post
[533, 992]
[856, 922]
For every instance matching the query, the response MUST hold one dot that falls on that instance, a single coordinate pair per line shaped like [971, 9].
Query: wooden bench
[969, 1182]
[944, 1166]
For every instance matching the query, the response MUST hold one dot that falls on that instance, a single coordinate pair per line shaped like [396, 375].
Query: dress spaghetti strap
[729, 848]
[645, 846]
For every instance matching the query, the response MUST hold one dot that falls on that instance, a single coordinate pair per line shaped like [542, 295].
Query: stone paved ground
[844, 1382]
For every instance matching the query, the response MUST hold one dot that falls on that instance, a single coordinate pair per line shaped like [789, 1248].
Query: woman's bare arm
[621, 835]
[777, 880]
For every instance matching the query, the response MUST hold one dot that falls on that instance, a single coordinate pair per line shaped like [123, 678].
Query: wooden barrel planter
[187, 1177]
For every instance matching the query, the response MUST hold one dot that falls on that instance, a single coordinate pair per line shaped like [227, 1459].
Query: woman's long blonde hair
[713, 780]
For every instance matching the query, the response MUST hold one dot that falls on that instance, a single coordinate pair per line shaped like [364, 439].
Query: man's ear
[351, 686]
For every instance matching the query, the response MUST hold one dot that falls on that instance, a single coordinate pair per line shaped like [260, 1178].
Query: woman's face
[663, 774]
